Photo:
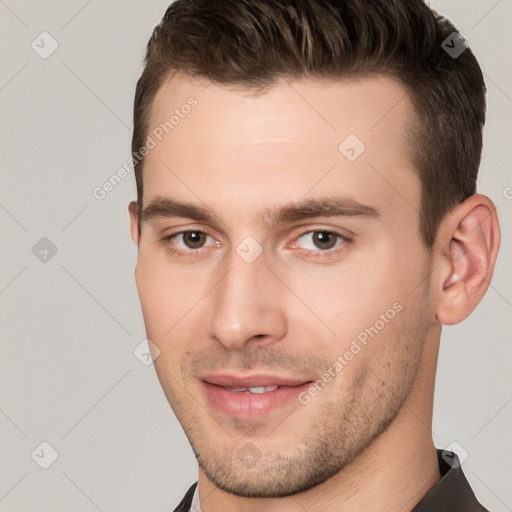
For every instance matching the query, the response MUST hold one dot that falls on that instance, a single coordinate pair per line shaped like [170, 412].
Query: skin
[364, 441]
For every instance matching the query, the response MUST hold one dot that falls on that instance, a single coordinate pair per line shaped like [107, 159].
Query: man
[306, 222]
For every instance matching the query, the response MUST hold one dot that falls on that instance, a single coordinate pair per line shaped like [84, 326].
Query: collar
[452, 493]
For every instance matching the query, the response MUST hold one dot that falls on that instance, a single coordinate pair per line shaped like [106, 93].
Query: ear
[133, 210]
[466, 247]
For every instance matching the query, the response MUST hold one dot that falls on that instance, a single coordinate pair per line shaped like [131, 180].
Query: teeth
[262, 389]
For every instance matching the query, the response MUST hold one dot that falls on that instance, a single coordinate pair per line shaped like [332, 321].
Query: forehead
[298, 138]
[367, 105]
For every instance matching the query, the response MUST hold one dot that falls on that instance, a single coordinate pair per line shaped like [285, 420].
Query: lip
[246, 405]
[254, 380]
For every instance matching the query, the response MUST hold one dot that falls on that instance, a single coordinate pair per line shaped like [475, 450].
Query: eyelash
[191, 252]
[341, 242]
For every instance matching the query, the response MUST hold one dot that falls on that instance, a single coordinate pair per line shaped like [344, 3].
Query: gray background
[70, 324]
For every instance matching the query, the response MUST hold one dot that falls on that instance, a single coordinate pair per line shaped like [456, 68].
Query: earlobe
[133, 210]
[468, 248]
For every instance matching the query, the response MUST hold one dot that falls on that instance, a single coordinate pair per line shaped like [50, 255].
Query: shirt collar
[452, 492]
[196, 503]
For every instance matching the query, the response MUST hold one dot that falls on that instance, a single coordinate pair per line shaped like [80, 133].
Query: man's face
[271, 255]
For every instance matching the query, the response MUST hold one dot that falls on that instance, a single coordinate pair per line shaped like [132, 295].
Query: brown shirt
[451, 494]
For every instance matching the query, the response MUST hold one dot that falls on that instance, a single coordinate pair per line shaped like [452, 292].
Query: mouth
[252, 396]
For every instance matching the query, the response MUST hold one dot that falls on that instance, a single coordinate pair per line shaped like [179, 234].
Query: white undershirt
[196, 504]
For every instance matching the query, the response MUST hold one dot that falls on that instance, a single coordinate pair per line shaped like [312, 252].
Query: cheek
[151, 290]
[353, 314]
[165, 295]
[342, 301]
[175, 305]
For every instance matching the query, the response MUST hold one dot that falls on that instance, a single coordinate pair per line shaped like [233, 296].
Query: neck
[393, 473]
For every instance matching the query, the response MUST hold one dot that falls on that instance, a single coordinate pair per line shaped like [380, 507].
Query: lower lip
[245, 405]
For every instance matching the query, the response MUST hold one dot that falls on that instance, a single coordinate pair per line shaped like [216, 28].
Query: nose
[246, 310]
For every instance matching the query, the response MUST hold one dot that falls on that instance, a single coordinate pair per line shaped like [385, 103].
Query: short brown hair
[253, 43]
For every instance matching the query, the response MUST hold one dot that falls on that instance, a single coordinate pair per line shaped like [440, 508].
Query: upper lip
[254, 380]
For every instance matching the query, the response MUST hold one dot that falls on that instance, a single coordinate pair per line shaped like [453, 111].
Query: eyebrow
[321, 207]
[164, 207]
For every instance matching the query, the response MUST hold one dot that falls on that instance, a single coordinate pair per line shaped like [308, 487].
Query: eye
[320, 239]
[193, 239]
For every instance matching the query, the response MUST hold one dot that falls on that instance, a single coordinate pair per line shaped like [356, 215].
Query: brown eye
[194, 239]
[190, 243]
[322, 240]
[325, 239]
